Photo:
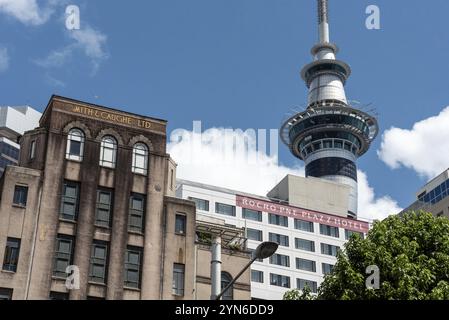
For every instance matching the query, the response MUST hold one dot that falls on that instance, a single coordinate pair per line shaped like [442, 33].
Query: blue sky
[232, 63]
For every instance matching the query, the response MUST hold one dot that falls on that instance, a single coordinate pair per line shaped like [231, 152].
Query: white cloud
[28, 11]
[4, 59]
[215, 158]
[87, 40]
[423, 149]
[370, 207]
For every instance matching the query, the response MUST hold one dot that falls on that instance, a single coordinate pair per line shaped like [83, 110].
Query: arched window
[140, 158]
[225, 280]
[75, 145]
[108, 152]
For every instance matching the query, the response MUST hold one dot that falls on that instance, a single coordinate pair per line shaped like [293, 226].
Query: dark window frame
[73, 201]
[137, 213]
[105, 208]
[63, 256]
[133, 267]
[181, 229]
[20, 197]
[12, 255]
[102, 262]
[178, 285]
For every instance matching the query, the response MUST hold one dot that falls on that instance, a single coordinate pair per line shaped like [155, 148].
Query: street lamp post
[263, 251]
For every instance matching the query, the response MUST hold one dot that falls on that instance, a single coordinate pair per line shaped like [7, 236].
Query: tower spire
[323, 21]
[330, 135]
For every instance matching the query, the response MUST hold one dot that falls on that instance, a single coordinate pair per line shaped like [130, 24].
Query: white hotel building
[308, 217]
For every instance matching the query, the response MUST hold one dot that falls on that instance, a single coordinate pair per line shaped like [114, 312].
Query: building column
[215, 267]
[119, 231]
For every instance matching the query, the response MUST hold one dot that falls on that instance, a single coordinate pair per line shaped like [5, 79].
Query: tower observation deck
[330, 134]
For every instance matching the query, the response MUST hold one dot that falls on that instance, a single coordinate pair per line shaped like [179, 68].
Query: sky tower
[330, 134]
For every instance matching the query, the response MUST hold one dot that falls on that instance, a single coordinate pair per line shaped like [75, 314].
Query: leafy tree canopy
[411, 252]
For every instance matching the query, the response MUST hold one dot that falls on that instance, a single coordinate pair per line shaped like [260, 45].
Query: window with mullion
[63, 255]
[178, 279]
[108, 152]
[12, 251]
[133, 263]
[136, 213]
[70, 201]
[104, 208]
[98, 262]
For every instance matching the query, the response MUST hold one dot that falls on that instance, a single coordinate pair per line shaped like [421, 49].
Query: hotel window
[256, 276]
[75, 145]
[329, 231]
[225, 280]
[279, 280]
[349, 233]
[140, 159]
[329, 249]
[108, 152]
[306, 245]
[98, 262]
[33, 149]
[5, 294]
[12, 252]
[281, 239]
[254, 234]
[304, 225]
[306, 265]
[63, 255]
[178, 279]
[104, 208]
[200, 204]
[133, 263]
[180, 224]
[280, 260]
[20, 196]
[278, 220]
[225, 209]
[136, 212]
[302, 283]
[252, 215]
[327, 268]
[70, 201]
[253, 252]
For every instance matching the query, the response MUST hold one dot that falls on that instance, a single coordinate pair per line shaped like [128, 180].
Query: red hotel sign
[298, 213]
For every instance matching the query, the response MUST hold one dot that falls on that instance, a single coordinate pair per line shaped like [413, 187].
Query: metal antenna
[323, 21]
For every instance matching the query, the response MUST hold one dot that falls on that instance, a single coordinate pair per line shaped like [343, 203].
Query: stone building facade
[95, 189]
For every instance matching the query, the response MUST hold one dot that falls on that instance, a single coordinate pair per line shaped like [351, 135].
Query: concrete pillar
[215, 268]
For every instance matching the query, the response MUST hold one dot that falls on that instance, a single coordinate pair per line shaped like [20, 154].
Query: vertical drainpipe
[163, 251]
[33, 245]
[215, 268]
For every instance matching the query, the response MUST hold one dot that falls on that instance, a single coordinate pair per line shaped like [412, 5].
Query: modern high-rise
[330, 134]
[14, 121]
[433, 197]
[306, 216]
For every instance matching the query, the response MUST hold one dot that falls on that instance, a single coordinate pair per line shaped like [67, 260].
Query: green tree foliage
[411, 252]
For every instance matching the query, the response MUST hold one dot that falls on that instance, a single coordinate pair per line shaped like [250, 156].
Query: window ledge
[136, 233]
[67, 221]
[99, 284]
[183, 234]
[131, 289]
[8, 272]
[19, 206]
[140, 174]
